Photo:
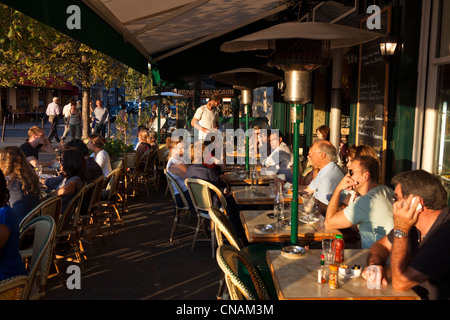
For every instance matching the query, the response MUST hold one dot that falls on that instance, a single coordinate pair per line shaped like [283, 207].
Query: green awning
[94, 31]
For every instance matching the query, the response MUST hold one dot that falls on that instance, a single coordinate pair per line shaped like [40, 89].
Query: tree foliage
[30, 50]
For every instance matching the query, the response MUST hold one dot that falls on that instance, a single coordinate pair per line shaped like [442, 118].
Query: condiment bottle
[339, 246]
[333, 278]
[322, 271]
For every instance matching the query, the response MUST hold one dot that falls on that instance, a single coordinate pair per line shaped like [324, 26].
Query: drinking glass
[308, 205]
[328, 251]
[40, 170]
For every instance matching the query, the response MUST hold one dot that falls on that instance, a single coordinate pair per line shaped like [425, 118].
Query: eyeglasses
[352, 172]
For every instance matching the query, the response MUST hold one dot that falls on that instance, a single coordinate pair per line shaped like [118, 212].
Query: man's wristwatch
[400, 234]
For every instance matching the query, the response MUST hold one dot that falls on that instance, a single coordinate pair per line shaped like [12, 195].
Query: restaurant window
[443, 129]
[444, 38]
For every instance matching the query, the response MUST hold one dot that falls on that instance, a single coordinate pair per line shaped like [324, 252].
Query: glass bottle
[322, 271]
[338, 246]
[253, 179]
[278, 204]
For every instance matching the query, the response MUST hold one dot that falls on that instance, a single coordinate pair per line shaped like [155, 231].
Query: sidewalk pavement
[18, 134]
[138, 262]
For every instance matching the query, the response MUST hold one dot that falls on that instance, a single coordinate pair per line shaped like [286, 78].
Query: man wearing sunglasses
[371, 211]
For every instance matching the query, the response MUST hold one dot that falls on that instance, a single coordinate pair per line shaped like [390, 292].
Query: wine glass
[308, 205]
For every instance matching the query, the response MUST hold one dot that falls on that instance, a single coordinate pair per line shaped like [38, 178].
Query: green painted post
[247, 146]
[159, 112]
[294, 204]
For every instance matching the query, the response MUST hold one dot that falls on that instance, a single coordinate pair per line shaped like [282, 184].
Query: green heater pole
[247, 146]
[159, 113]
[296, 118]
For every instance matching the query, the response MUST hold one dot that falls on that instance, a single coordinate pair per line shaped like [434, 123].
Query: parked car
[113, 113]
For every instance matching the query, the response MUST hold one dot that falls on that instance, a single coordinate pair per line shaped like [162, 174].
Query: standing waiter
[53, 112]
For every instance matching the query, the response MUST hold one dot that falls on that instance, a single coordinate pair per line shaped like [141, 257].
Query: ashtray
[265, 227]
[241, 174]
[311, 220]
[293, 252]
[285, 223]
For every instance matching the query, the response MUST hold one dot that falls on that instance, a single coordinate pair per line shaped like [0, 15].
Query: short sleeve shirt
[29, 150]
[326, 182]
[207, 119]
[373, 215]
[11, 263]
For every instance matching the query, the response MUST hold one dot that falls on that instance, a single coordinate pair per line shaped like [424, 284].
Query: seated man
[259, 144]
[371, 211]
[322, 156]
[418, 246]
[281, 159]
[37, 141]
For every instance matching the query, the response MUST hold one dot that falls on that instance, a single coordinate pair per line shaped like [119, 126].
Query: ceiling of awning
[181, 38]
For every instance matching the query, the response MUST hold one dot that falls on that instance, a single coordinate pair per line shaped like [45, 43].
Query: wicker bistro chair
[256, 253]
[88, 213]
[172, 184]
[49, 207]
[149, 174]
[110, 199]
[44, 230]
[200, 192]
[67, 231]
[14, 288]
[229, 258]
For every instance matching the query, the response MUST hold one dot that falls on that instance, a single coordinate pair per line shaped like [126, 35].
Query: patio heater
[298, 49]
[245, 80]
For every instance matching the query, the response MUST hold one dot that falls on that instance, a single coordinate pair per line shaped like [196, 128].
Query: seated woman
[204, 168]
[143, 147]
[21, 180]
[96, 144]
[177, 170]
[11, 263]
[71, 179]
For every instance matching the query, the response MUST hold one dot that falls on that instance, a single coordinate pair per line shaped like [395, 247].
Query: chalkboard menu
[371, 97]
[372, 93]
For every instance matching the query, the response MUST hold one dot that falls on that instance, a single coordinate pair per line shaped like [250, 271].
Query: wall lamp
[389, 49]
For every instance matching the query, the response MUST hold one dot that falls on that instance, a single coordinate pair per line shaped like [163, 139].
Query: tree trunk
[86, 112]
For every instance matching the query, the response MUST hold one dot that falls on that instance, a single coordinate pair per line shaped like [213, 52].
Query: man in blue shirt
[322, 156]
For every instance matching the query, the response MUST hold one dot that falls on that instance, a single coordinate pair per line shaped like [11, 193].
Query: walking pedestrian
[101, 116]
[74, 121]
[53, 112]
[65, 113]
